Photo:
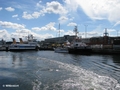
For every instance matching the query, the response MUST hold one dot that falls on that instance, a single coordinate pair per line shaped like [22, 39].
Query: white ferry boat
[31, 44]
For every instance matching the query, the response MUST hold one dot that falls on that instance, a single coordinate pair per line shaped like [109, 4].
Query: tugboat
[31, 44]
[78, 47]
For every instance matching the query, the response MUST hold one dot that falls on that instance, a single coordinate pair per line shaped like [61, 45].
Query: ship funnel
[21, 41]
[14, 41]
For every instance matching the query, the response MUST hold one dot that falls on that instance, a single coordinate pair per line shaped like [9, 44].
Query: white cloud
[23, 33]
[92, 33]
[71, 5]
[11, 25]
[98, 31]
[45, 36]
[9, 9]
[39, 5]
[48, 27]
[63, 18]
[27, 16]
[40, 37]
[117, 23]
[51, 7]
[72, 24]
[1, 8]
[38, 28]
[55, 7]
[111, 32]
[71, 18]
[98, 9]
[34, 15]
[4, 35]
[82, 34]
[70, 32]
[15, 15]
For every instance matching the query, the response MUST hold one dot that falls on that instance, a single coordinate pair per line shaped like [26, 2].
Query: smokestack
[21, 41]
[14, 41]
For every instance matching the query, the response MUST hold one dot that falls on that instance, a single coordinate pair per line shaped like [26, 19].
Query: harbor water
[47, 70]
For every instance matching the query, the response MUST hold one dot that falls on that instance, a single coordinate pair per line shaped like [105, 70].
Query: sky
[45, 18]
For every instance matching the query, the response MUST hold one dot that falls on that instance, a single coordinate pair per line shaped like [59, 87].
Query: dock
[106, 51]
[4, 48]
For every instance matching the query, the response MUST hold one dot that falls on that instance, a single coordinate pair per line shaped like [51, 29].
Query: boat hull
[23, 48]
[61, 50]
[80, 50]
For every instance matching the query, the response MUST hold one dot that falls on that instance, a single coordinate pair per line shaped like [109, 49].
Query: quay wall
[106, 51]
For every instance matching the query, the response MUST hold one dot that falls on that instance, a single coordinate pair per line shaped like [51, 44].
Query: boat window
[32, 43]
[76, 44]
[15, 46]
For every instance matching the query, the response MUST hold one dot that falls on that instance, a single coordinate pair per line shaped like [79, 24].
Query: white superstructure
[31, 44]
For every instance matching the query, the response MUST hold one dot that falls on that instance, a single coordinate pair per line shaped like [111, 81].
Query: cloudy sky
[18, 18]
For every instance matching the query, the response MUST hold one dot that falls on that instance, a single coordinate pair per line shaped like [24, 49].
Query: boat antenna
[75, 30]
[106, 33]
[59, 29]
[86, 30]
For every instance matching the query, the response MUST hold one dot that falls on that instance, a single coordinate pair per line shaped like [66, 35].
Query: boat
[64, 47]
[2, 45]
[79, 47]
[61, 50]
[31, 44]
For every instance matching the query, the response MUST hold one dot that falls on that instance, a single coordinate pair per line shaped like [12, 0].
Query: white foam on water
[36, 85]
[80, 79]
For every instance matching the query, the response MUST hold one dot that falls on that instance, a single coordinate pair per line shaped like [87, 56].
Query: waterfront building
[60, 39]
[104, 41]
[57, 41]
[116, 43]
[85, 40]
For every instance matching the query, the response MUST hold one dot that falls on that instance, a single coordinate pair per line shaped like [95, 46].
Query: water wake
[80, 79]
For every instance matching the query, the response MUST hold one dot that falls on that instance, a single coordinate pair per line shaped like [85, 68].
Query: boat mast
[59, 34]
[59, 29]
[76, 31]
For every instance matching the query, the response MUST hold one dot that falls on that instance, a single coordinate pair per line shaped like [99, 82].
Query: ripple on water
[80, 79]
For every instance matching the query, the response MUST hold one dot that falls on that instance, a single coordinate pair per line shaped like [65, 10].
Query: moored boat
[64, 48]
[61, 50]
[31, 44]
[79, 47]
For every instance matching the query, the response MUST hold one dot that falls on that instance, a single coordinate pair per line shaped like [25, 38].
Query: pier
[106, 51]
